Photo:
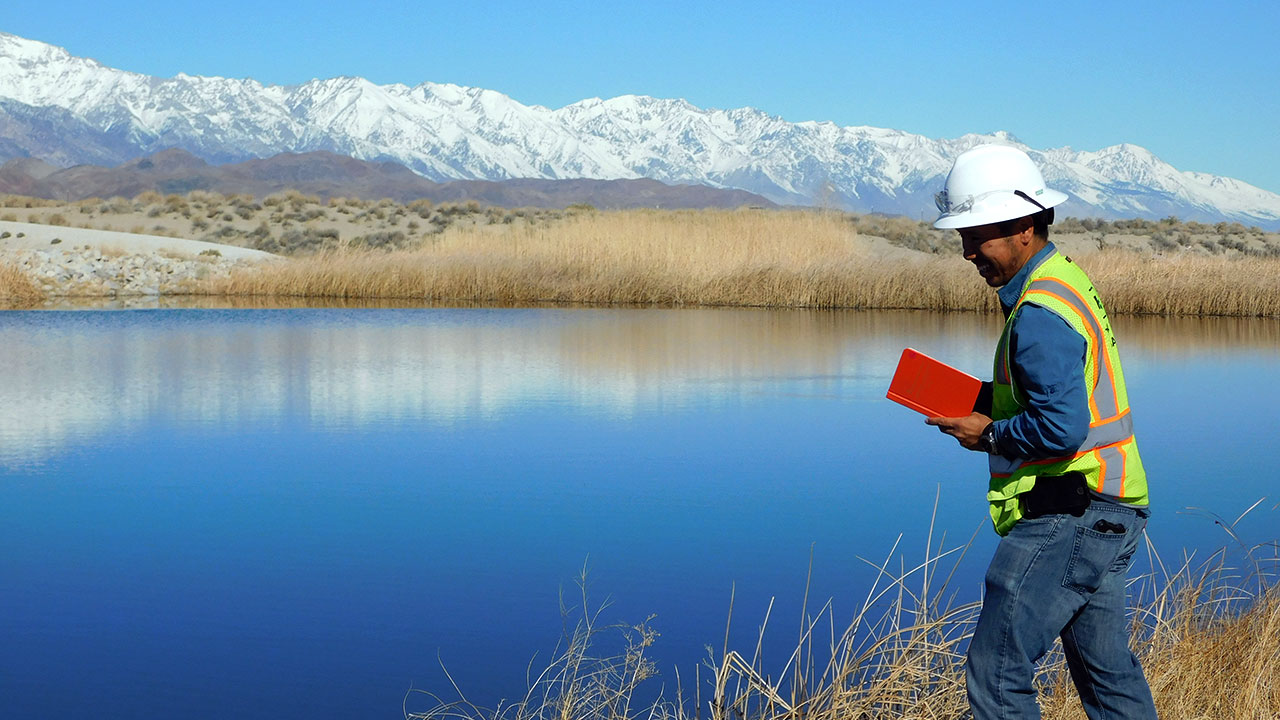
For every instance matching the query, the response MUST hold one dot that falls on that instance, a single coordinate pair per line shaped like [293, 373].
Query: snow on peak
[446, 131]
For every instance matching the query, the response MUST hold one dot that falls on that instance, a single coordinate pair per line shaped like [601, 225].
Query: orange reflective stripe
[1104, 349]
[999, 466]
[1102, 469]
[1088, 326]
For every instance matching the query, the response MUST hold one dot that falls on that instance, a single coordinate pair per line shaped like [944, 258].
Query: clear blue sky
[1197, 84]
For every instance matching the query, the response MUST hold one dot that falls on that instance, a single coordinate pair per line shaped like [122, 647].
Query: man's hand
[966, 430]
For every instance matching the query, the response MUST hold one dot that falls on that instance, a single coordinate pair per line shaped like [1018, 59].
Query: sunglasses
[946, 207]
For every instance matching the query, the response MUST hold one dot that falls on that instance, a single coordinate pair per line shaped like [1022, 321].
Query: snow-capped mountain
[68, 110]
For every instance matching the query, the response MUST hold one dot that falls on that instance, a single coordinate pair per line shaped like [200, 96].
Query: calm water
[260, 514]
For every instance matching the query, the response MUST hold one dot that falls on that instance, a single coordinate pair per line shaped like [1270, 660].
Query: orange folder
[932, 387]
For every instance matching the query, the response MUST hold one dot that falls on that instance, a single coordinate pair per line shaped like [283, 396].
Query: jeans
[1058, 576]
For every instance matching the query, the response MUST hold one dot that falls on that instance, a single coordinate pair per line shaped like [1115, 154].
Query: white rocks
[86, 271]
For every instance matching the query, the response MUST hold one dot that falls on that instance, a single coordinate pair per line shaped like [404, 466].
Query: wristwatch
[987, 440]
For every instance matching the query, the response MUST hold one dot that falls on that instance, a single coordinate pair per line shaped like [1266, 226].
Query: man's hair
[1040, 223]
[1042, 220]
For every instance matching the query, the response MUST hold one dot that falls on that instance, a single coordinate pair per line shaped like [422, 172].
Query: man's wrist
[987, 439]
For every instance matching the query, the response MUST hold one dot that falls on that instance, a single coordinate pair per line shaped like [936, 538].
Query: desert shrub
[1164, 241]
[211, 252]
[56, 219]
[907, 233]
[422, 207]
[385, 240]
[22, 201]
[1233, 242]
[9, 217]
[1208, 242]
[299, 242]
[259, 233]
[205, 197]
[147, 197]
[222, 233]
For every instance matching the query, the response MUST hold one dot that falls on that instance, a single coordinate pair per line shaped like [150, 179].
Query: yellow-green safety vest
[1109, 455]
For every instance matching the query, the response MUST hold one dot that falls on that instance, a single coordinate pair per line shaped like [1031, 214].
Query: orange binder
[932, 387]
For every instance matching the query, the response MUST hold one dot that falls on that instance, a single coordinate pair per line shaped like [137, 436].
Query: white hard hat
[990, 184]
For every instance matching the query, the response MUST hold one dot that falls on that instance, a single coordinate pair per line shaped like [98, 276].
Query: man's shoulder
[1039, 320]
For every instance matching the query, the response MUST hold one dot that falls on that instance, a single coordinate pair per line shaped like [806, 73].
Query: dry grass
[1133, 283]
[737, 258]
[743, 258]
[17, 289]
[1206, 636]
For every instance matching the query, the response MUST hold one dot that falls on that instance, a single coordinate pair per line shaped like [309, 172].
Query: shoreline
[783, 259]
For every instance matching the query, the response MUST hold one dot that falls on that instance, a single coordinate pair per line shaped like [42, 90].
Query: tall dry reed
[17, 289]
[740, 258]
[1185, 284]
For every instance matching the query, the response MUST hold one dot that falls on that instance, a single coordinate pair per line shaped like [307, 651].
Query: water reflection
[1211, 335]
[268, 508]
[70, 375]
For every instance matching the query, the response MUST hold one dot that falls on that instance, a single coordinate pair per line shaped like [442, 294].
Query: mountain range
[329, 175]
[68, 110]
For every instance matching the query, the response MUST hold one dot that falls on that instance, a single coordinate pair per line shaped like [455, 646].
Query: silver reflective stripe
[1110, 483]
[1111, 432]
[1002, 359]
[1104, 394]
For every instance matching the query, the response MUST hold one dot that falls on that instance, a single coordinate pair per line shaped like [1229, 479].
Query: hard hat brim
[1006, 206]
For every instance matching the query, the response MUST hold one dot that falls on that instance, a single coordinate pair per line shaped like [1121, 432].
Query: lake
[287, 513]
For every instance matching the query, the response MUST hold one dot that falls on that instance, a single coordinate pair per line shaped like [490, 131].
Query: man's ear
[1028, 235]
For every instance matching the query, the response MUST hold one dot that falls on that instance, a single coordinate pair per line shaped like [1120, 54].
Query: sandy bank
[42, 237]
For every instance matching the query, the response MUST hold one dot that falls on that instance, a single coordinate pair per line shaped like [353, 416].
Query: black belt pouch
[1056, 495]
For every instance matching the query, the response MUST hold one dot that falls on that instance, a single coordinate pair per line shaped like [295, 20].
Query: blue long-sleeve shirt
[1048, 358]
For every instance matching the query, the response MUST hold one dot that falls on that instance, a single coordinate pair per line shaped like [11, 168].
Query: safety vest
[1109, 455]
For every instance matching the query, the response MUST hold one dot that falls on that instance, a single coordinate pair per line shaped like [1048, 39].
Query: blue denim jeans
[1057, 576]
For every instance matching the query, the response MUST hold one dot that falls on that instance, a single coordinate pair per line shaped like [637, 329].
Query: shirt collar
[1010, 293]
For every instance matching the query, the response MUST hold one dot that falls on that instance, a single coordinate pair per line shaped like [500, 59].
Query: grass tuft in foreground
[17, 289]
[1205, 633]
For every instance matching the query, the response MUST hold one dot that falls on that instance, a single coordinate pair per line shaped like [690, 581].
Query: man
[1068, 493]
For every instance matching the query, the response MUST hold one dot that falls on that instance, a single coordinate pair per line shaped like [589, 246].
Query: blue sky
[1198, 85]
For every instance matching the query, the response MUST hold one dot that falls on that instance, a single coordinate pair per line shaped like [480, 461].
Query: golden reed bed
[709, 257]
[739, 258]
